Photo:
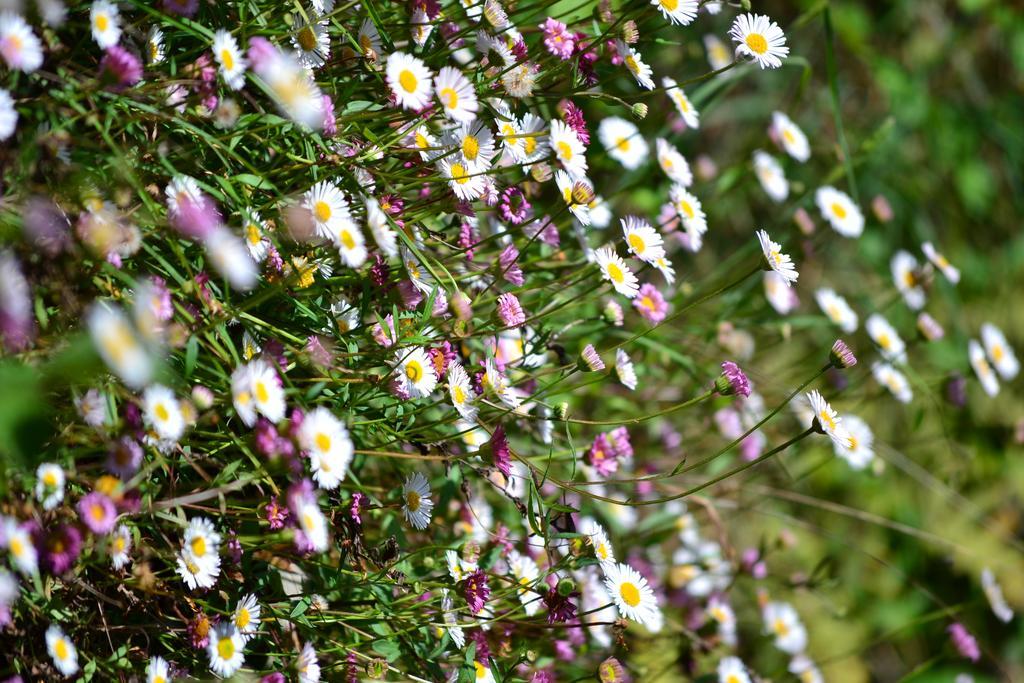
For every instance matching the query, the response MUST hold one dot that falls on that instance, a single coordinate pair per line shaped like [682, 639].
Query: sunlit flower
[568, 148]
[456, 94]
[636, 65]
[158, 671]
[155, 48]
[760, 38]
[597, 539]
[623, 141]
[415, 372]
[19, 46]
[464, 180]
[417, 505]
[893, 380]
[691, 213]
[905, 275]
[999, 351]
[683, 105]
[18, 541]
[859, 452]
[615, 270]
[718, 52]
[106, 23]
[118, 344]
[790, 137]
[950, 271]
[783, 622]
[679, 12]
[732, 670]
[62, 651]
[311, 40]
[246, 617]
[162, 412]
[410, 80]
[230, 257]
[631, 593]
[120, 545]
[837, 310]
[642, 240]
[885, 335]
[827, 420]
[986, 375]
[229, 56]
[225, 649]
[777, 261]
[573, 192]
[326, 439]
[49, 485]
[313, 525]
[624, 369]
[771, 176]
[97, 512]
[674, 164]
[839, 210]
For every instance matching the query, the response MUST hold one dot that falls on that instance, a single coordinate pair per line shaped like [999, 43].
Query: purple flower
[509, 310]
[500, 451]
[963, 641]
[379, 271]
[124, 457]
[510, 270]
[441, 356]
[234, 547]
[476, 590]
[650, 303]
[17, 326]
[557, 38]
[560, 607]
[120, 67]
[276, 515]
[573, 117]
[483, 649]
[602, 456]
[195, 218]
[841, 355]
[514, 207]
[410, 293]
[351, 668]
[732, 381]
[592, 359]
[355, 507]
[60, 548]
[276, 677]
[621, 445]
[467, 238]
[97, 512]
[545, 230]
[330, 123]
[184, 8]
[199, 631]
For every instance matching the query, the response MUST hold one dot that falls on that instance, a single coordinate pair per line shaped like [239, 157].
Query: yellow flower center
[252, 233]
[161, 412]
[481, 670]
[117, 342]
[630, 594]
[227, 59]
[198, 546]
[322, 211]
[788, 136]
[670, 5]
[459, 175]
[323, 442]
[414, 371]
[631, 64]
[102, 22]
[732, 678]
[449, 98]
[97, 512]
[826, 419]
[838, 210]
[49, 479]
[884, 341]
[564, 150]
[243, 398]
[365, 43]
[346, 239]
[262, 395]
[225, 648]
[412, 501]
[687, 209]
[637, 243]
[470, 147]
[307, 39]
[530, 144]
[243, 618]
[119, 544]
[459, 395]
[997, 352]
[60, 649]
[648, 303]
[622, 145]
[780, 627]
[614, 272]
[757, 43]
[408, 81]
[17, 547]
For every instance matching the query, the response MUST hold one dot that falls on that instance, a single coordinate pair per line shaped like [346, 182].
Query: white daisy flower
[771, 176]
[904, 268]
[625, 370]
[201, 540]
[679, 12]
[475, 142]
[162, 413]
[951, 272]
[225, 650]
[723, 615]
[526, 573]
[782, 621]
[994, 595]
[461, 391]
[155, 47]
[732, 670]
[307, 666]
[717, 51]
[466, 182]
[828, 420]
[377, 222]
[456, 94]
[674, 164]
[329, 208]
[49, 485]
[999, 351]
[410, 80]
[118, 344]
[597, 538]
[246, 617]
[837, 310]
[313, 525]
[635, 63]
[417, 504]
[311, 41]
[777, 261]
[351, 244]
[198, 573]
[760, 38]
[369, 39]
[642, 240]
[509, 135]
[790, 137]
[804, 669]
[24, 555]
[664, 266]
[885, 336]
[8, 115]
[495, 382]
[62, 651]
[690, 212]
[568, 188]
[330, 449]
[623, 141]
[615, 270]
[120, 545]
[451, 620]
[986, 375]
[415, 372]
[106, 23]
[568, 149]
[230, 257]
[780, 295]
[893, 380]
[839, 210]
[158, 671]
[254, 231]
[293, 88]
[859, 452]
[631, 593]
[691, 117]
[598, 211]
[535, 143]
[231, 60]
[458, 568]
[482, 673]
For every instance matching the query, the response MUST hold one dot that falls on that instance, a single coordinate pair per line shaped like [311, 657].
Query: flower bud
[640, 110]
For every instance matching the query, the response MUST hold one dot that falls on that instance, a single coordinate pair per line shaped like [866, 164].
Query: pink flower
[573, 117]
[509, 310]
[501, 453]
[650, 303]
[97, 512]
[510, 270]
[121, 67]
[557, 38]
[476, 591]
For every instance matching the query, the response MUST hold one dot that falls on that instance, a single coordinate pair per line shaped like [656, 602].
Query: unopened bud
[630, 33]
[582, 193]
[566, 587]
[640, 110]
